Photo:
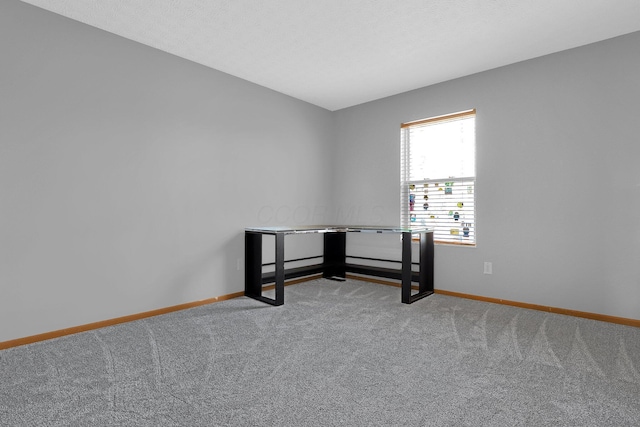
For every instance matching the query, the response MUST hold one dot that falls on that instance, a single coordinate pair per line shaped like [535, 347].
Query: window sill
[445, 243]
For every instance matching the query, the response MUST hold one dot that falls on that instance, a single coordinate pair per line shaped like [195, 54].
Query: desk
[334, 262]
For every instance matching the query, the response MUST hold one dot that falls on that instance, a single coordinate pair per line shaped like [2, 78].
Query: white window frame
[445, 204]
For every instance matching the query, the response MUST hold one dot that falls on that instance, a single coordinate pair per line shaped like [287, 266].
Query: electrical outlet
[488, 267]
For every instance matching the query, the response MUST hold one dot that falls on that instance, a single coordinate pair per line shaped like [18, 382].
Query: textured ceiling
[339, 53]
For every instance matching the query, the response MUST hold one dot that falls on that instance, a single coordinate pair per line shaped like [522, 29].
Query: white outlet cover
[488, 268]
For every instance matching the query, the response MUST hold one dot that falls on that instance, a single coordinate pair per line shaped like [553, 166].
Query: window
[438, 177]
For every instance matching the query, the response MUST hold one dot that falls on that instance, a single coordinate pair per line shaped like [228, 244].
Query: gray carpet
[336, 353]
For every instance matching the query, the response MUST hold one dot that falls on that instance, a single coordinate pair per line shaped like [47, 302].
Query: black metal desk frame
[334, 260]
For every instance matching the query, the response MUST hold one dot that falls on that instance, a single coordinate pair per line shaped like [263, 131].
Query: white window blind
[438, 176]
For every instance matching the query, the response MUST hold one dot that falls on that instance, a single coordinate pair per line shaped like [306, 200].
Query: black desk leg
[335, 255]
[406, 267]
[253, 268]
[252, 264]
[279, 269]
[425, 275]
[426, 263]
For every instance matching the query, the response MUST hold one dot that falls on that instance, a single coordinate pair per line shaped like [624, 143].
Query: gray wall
[558, 181]
[127, 175]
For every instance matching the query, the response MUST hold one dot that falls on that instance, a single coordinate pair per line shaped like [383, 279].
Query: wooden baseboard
[110, 322]
[104, 323]
[593, 316]
[130, 318]
[584, 314]
[378, 281]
